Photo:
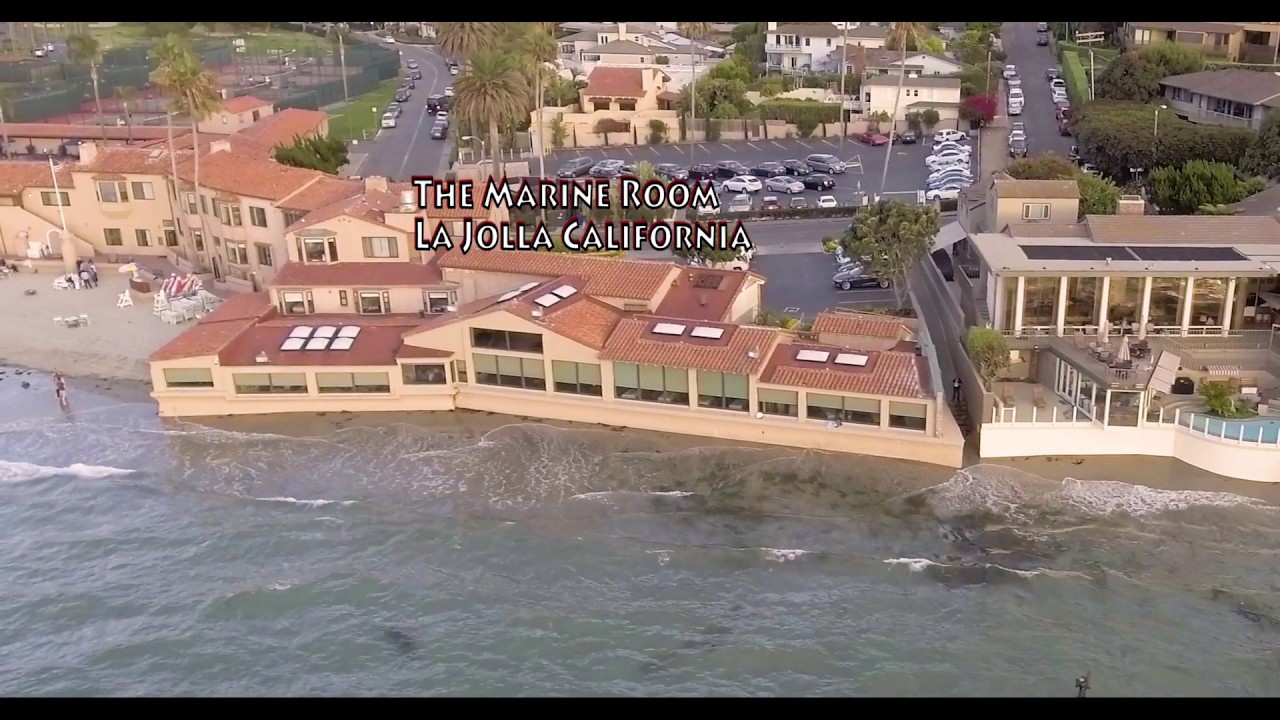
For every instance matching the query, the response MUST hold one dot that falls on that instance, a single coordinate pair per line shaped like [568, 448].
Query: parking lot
[865, 163]
[800, 285]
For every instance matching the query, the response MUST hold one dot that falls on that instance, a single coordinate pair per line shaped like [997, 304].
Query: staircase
[960, 411]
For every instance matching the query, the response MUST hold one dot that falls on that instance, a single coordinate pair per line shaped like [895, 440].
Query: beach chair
[84, 320]
[1037, 397]
[124, 300]
[1006, 394]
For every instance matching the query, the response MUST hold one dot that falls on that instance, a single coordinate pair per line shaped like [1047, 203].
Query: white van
[388, 120]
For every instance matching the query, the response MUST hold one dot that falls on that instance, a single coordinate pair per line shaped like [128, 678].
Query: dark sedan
[910, 137]
[796, 167]
[818, 181]
[731, 168]
[577, 167]
[702, 171]
[439, 131]
[436, 103]
[1042, 40]
[1042, 27]
[402, 95]
[768, 170]
[671, 171]
[1018, 149]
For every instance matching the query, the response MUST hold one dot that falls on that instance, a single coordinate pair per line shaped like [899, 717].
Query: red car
[873, 139]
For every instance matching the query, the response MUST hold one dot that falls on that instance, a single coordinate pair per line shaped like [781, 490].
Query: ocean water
[335, 556]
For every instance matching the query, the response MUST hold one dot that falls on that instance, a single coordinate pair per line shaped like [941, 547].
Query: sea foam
[15, 472]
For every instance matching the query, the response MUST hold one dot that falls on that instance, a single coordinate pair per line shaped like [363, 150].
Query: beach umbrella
[1123, 353]
[130, 268]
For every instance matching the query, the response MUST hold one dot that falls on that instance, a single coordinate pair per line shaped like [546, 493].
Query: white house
[814, 47]
[918, 94]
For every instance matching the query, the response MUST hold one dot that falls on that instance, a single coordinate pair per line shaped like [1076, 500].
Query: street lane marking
[790, 310]
[700, 147]
[775, 142]
[829, 143]
[628, 151]
[655, 150]
[805, 144]
[728, 147]
[753, 146]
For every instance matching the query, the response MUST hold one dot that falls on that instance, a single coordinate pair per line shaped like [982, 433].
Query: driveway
[407, 149]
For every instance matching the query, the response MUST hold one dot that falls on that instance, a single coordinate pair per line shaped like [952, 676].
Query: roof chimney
[1131, 205]
[408, 201]
[622, 31]
[88, 152]
[375, 182]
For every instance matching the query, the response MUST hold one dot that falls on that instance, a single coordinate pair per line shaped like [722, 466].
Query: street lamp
[1155, 126]
[473, 138]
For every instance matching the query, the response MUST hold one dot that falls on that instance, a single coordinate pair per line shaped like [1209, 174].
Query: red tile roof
[377, 344]
[60, 131]
[701, 294]
[860, 324]
[326, 190]
[605, 277]
[357, 274]
[370, 206]
[633, 341]
[132, 161]
[18, 175]
[894, 374]
[615, 82]
[248, 175]
[244, 103]
[233, 317]
[282, 127]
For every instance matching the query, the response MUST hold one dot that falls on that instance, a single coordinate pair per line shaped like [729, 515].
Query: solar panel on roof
[668, 329]
[301, 331]
[317, 344]
[565, 291]
[1167, 253]
[711, 333]
[1076, 252]
[527, 287]
[546, 300]
[508, 296]
[349, 331]
[853, 359]
[293, 343]
[325, 331]
[813, 355]
[341, 343]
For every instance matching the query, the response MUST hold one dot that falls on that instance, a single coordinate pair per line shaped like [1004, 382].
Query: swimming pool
[1266, 429]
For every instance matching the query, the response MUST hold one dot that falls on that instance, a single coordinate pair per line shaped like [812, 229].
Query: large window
[188, 378]
[55, 199]
[651, 383]
[229, 214]
[1124, 301]
[380, 247]
[577, 378]
[373, 302]
[296, 302]
[1082, 301]
[779, 402]
[264, 254]
[727, 391]
[143, 191]
[237, 253]
[110, 191]
[143, 237]
[1040, 302]
[1166, 300]
[862, 411]
[506, 340]
[270, 383]
[257, 216]
[508, 371]
[1208, 295]
[113, 236]
[318, 249]
[908, 416]
[438, 301]
[424, 375]
[361, 382]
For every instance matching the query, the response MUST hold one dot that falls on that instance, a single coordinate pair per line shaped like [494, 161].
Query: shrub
[559, 133]
[797, 112]
[609, 125]
[661, 60]
[657, 132]
[1077, 80]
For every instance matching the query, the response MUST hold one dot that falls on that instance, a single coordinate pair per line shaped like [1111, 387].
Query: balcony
[1200, 115]
[785, 47]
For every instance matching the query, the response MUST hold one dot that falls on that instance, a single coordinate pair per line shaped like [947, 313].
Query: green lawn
[259, 40]
[362, 117]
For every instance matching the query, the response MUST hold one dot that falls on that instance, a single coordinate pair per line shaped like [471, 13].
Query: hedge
[800, 111]
[1101, 56]
[1076, 78]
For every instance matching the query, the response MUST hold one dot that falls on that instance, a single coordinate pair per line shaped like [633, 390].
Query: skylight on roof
[318, 343]
[325, 331]
[668, 329]
[341, 343]
[711, 333]
[527, 287]
[349, 331]
[547, 300]
[813, 356]
[293, 343]
[853, 359]
[301, 331]
[565, 291]
[507, 296]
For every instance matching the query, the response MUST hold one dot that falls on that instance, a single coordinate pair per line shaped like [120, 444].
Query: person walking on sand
[60, 388]
[955, 390]
[86, 280]
[93, 273]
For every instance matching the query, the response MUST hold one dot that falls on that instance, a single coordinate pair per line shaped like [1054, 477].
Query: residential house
[25, 188]
[63, 140]
[599, 44]
[1263, 204]
[235, 114]
[1020, 202]
[630, 95]
[918, 93]
[1235, 98]
[627, 52]
[278, 128]
[623, 89]
[559, 336]
[1233, 42]
[883, 61]
[815, 47]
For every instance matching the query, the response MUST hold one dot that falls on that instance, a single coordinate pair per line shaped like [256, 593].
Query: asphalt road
[1038, 113]
[800, 285]
[907, 173]
[407, 149]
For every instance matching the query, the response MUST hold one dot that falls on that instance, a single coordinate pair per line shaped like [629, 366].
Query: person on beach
[93, 273]
[85, 280]
[60, 388]
[76, 281]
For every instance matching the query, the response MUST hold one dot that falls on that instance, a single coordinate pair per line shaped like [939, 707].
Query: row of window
[645, 383]
[143, 237]
[367, 302]
[325, 249]
[109, 191]
[227, 213]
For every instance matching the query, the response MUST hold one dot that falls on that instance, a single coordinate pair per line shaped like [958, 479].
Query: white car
[1014, 82]
[448, 92]
[1058, 84]
[390, 40]
[1015, 108]
[949, 136]
[1018, 127]
[388, 120]
[957, 147]
[1009, 71]
[744, 184]
[785, 184]
[708, 210]
[1017, 135]
[827, 201]
[948, 174]
[946, 192]
[740, 203]
[937, 162]
[442, 117]
[453, 69]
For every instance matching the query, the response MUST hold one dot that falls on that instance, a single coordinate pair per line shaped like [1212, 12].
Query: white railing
[1237, 438]
[1088, 330]
[1002, 413]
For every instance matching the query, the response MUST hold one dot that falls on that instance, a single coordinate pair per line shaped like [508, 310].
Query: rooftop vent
[819, 356]
[262, 358]
[708, 281]
[710, 333]
[851, 359]
[408, 200]
[668, 329]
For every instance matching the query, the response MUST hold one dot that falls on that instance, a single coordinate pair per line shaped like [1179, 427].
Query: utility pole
[342, 60]
[844, 64]
[4, 149]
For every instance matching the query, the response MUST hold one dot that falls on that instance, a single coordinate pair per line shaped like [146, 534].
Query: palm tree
[127, 95]
[461, 40]
[492, 88]
[540, 49]
[193, 92]
[693, 31]
[83, 49]
[900, 36]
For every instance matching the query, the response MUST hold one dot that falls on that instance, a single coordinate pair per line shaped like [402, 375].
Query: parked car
[950, 173]
[743, 184]
[942, 259]
[949, 136]
[947, 158]
[821, 162]
[906, 138]
[770, 202]
[1063, 110]
[388, 120]
[702, 171]
[708, 210]
[731, 168]
[448, 91]
[1074, 154]
[402, 95]
[1018, 148]
[439, 131]
[1009, 71]
[396, 108]
[443, 117]
[798, 203]
[796, 167]
[576, 167]
[1014, 82]
[946, 192]
[1042, 27]
[873, 139]
[827, 201]
[671, 171]
[453, 70]
[818, 181]
[607, 168]
[785, 184]
[741, 203]
[854, 275]
[412, 64]
[408, 83]
[415, 74]
[957, 147]
[1042, 40]
[1017, 135]
[768, 170]
[1052, 74]
[962, 176]
[1058, 83]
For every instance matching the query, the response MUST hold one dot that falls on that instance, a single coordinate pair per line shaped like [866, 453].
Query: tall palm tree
[83, 49]
[900, 35]
[461, 40]
[693, 31]
[127, 95]
[492, 88]
[193, 92]
[540, 49]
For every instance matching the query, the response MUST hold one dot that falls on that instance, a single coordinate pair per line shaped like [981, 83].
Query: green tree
[971, 47]
[1173, 58]
[710, 94]
[1098, 196]
[694, 31]
[84, 50]
[166, 56]
[1129, 77]
[1263, 155]
[1118, 136]
[730, 69]
[539, 48]
[989, 353]
[901, 34]
[127, 96]
[494, 89]
[645, 172]
[930, 118]
[461, 40]
[326, 154]
[980, 78]
[1184, 190]
[891, 237]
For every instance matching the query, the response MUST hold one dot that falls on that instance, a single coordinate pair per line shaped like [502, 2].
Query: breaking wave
[14, 472]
